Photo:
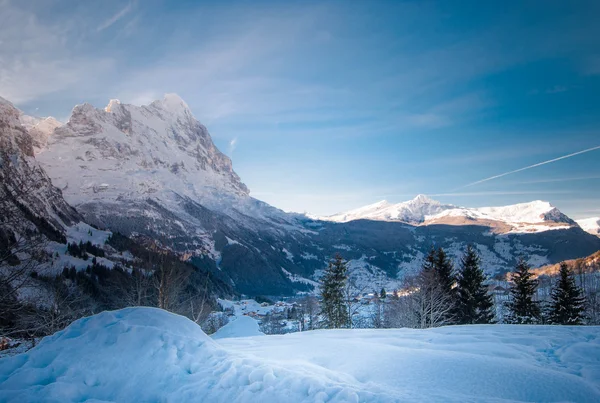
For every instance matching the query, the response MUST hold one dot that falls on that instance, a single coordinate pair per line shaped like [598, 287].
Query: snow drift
[244, 326]
[145, 354]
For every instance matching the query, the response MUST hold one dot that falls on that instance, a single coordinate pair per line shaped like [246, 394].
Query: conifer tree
[382, 294]
[333, 284]
[523, 309]
[567, 301]
[430, 260]
[443, 266]
[474, 304]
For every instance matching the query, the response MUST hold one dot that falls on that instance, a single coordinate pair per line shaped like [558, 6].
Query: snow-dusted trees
[567, 304]
[333, 303]
[523, 307]
[473, 304]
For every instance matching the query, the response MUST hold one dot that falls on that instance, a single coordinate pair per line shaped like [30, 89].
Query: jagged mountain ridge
[39, 129]
[140, 170]
[524, 217]
[413, 211]
[129, 148]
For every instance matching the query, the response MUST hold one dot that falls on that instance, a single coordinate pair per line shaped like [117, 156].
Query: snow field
[145, 354]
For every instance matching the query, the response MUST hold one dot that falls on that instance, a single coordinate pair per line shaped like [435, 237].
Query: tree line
[440, 294]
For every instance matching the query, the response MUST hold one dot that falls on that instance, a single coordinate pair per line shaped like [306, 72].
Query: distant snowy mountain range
[154, 170]
[535, 216]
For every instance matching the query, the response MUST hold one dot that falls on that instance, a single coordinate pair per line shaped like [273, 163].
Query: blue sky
[327, 106]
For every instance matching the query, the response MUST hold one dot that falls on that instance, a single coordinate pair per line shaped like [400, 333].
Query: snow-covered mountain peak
[537, 211]
[413, 211]
[112, 104]
[423, 199]
[125, 151]
[173, 104]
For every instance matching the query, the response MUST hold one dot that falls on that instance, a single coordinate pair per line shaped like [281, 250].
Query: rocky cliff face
[28, 200]
[125, 151]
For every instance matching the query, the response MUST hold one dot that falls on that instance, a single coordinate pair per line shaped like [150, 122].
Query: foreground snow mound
[244, 326]
[149, 355]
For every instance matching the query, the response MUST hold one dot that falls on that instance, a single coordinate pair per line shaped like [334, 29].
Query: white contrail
[531, 166]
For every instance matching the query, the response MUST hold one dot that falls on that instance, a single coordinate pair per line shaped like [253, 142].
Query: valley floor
[145, 354]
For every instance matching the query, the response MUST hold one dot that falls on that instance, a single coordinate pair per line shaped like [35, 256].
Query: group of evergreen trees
[82, 249]
[566, 306]
[442, 295]
[459, 297]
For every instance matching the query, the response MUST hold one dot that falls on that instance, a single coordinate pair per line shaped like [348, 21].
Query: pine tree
[333, 284]
[444, 269]
[430, 261]
[567, 301]
[523, 309]
[474, 304]
[382, 294]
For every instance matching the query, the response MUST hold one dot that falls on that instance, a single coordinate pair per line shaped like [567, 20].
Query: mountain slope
[40, 129]
[591, 225]
[28, 200]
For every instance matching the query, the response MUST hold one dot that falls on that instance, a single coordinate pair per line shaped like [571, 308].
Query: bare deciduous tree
[433, 303]
[170, 280]
[352, 295]
[308, 313]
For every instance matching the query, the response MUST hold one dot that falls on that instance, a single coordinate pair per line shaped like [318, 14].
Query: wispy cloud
[232, 145]
[115, 18]
[530, 167]
[37, 57]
